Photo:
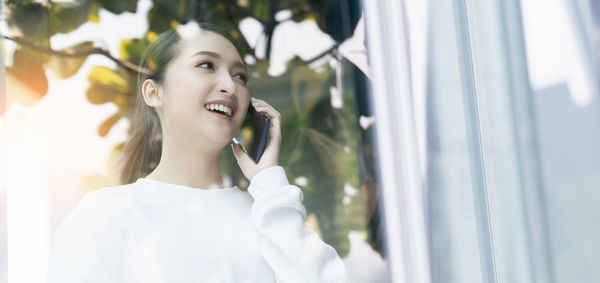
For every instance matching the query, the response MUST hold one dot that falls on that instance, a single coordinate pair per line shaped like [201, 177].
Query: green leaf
[106, 76]
[94, 15]
[100, 93]
[108, 85]
[65, 67]
[164, 12]
[217, 14]
[260, 9]
[119, 6]
[28, 20]
[33, 54]
[66, 17]
[159, 20]
[132, 49]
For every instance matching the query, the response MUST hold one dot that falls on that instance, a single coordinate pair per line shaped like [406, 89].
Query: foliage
[320, 143]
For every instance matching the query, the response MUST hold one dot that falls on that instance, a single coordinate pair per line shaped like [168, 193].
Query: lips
[224, 102]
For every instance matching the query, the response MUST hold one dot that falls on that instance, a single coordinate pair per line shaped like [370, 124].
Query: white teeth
[226, 109]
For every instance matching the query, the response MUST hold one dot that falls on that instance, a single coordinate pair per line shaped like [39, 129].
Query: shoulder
[111, 198]
[108, 194]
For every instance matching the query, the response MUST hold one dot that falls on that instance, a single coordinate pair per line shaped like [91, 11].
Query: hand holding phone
[253, 133]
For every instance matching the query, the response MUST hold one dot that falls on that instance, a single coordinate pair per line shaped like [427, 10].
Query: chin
[224, 141]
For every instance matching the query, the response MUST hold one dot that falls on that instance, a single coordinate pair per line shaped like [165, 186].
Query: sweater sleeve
[83, 247]
[292, 248]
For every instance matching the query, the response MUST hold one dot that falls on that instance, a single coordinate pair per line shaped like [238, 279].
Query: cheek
[243, 95]
[190, 85]
[243, 98]
[187, 91]
[186, 80]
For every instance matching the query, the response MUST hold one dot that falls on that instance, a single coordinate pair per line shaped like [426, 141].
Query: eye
[242, 76]
[206, 65]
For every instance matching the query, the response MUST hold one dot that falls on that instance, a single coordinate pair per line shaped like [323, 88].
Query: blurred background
[434, 141]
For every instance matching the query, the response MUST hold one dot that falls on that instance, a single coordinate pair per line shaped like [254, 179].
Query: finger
[269, 111]
[263, 107]
[275, 128]
[274, 141]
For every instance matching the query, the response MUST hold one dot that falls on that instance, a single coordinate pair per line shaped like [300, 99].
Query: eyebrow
[216, 55]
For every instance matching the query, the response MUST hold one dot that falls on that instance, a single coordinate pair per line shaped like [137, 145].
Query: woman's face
[207, 70]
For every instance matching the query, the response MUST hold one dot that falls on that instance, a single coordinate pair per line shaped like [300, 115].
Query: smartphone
[253, 133]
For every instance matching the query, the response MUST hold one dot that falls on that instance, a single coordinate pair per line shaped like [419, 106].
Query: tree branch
[270, 27]
[300, 13]
[75, 54]
[229, 5]
[328, 51]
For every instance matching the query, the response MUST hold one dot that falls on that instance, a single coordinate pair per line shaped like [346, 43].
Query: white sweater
[152, 231]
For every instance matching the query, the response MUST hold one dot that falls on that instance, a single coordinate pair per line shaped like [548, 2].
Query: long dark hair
[142, 151]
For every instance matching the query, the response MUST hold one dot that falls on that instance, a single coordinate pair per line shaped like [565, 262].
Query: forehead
[205, 40]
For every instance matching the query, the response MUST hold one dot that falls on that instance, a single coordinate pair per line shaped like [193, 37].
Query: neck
[199, 168]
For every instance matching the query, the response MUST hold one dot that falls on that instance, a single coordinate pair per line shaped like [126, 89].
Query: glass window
[71, 69]
[495, 102]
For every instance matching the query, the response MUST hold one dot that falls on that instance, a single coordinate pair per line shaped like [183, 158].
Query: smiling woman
[206, 68]
[180, 223]
[139, 156]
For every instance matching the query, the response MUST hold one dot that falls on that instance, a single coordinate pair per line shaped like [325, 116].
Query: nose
[226, 83]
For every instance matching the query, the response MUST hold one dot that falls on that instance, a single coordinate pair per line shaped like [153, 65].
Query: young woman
[181, 223]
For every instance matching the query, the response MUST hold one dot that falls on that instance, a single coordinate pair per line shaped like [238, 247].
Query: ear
[152, 93]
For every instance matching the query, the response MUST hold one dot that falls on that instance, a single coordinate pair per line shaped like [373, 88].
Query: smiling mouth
[220, 109]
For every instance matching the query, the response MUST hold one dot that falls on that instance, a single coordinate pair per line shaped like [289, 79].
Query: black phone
[253, 133]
